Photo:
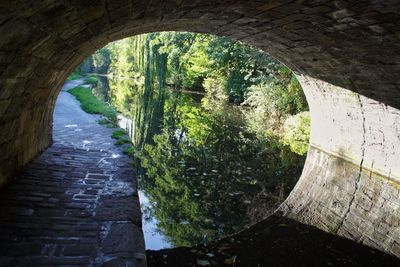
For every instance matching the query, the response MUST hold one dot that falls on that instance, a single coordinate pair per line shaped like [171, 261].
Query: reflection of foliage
[220, 67]
[122, 93]
[202, 177]
[101, 88]
[142, 96]
[211, 166]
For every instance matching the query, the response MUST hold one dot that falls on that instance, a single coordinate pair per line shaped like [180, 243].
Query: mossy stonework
[346, 54]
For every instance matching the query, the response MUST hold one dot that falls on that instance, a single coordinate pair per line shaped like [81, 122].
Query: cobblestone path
[77, 203]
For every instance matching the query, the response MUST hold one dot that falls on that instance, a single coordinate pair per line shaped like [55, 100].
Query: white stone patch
[119, 188]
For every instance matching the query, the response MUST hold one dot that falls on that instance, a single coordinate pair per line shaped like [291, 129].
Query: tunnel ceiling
[353, 44]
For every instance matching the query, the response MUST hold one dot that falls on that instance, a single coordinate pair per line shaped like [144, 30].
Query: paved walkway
[77, 203]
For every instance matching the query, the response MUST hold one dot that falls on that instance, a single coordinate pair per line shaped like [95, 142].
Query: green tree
[101, 60]
[205, 160]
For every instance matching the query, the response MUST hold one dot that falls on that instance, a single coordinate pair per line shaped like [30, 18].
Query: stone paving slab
[58, 213]
[76, 204]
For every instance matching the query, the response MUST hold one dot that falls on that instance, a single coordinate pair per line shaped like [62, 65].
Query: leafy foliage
[236, 140]
[205, 166]
[101, 60]
[297, 132]
[218, 66]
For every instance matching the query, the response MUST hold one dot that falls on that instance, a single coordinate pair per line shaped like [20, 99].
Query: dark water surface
[204, 171]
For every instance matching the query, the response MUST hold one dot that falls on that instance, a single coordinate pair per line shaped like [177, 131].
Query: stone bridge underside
[346, 55]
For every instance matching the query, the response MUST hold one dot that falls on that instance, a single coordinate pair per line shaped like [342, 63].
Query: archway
[346, 56]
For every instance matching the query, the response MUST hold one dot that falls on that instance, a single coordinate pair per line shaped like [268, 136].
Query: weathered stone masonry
[345, 52]
[350, 183]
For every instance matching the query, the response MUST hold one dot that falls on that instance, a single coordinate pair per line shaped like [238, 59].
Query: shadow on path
[77, 203]
[276, 241]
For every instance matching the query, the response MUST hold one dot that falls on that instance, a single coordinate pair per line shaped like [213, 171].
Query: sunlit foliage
[237, 138]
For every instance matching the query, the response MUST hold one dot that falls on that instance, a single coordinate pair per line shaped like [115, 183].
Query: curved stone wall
[351, 180]
[346, 53]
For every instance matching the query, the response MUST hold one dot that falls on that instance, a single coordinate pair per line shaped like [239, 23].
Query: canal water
[204, 170]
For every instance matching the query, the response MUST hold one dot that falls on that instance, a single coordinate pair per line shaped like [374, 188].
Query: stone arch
[346, 56]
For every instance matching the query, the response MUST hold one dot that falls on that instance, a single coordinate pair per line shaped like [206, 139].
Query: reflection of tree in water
[211, 167]
[206, 172]
[101, 89]
[141, 97]
[149, 108]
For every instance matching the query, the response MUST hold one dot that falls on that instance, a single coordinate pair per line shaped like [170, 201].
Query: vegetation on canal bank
[214, 66]
[215, 160]
[118, 134]
[91, 104]
[73, 76]
[92, 80]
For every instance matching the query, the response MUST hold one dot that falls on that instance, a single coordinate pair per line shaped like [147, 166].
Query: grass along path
[90, 104]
